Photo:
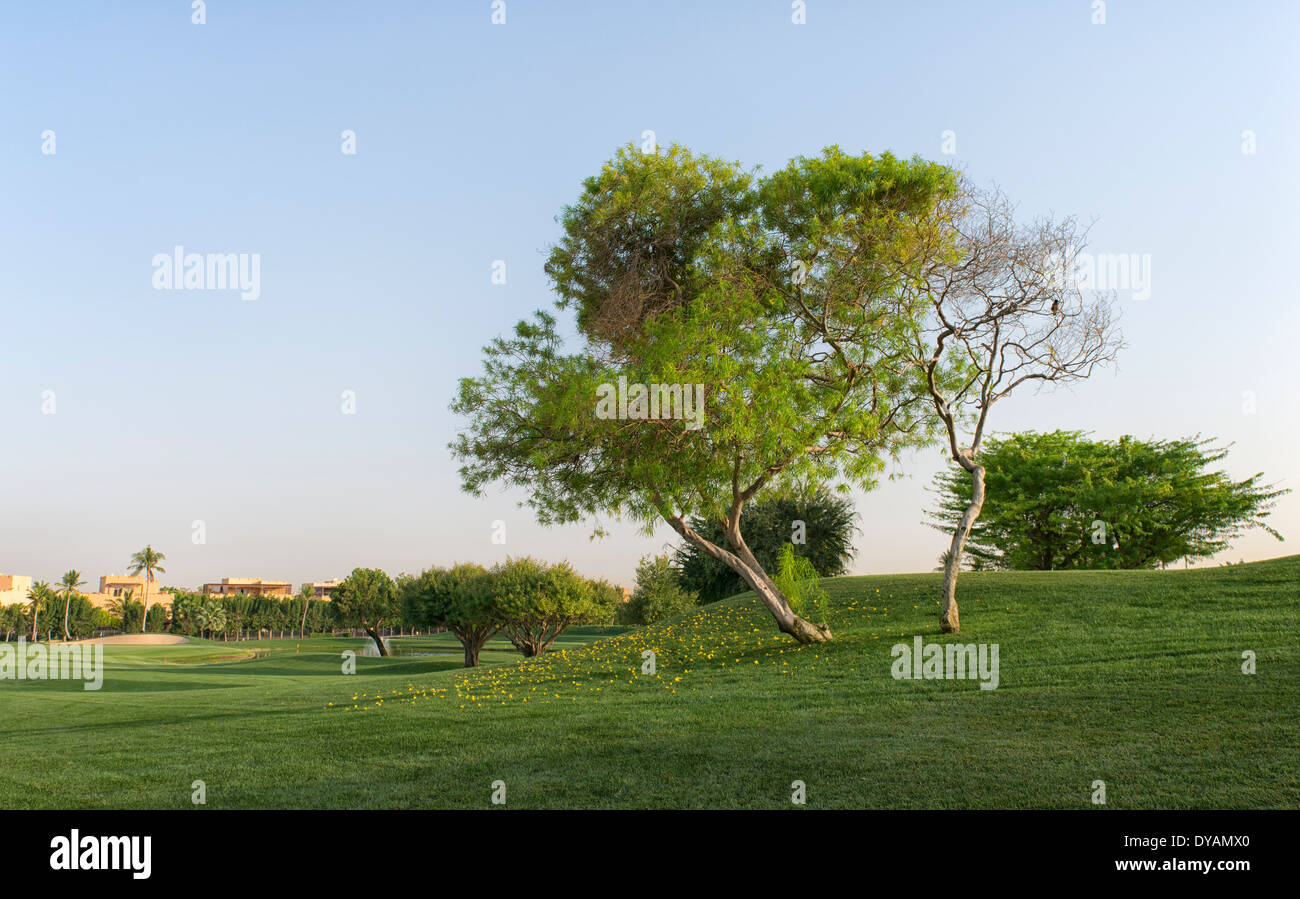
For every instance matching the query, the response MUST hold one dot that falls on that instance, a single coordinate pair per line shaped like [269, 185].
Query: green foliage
[241, 612]
[148, 561]
[185, 611]
[71, 616]
[366, 598]
[762, 294]
[157, 619]
[40, 600]
[1062, 500]
[459, 598]
[533, 602]
[658, 593]
[798, 580]
[132, 615]
[13, 620]
[633, 241]
[537, 601]
[70, 583]
[770, 523]
[209, 617]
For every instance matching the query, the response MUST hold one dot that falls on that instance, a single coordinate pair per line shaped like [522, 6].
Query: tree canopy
[1064, 500]
[658, 593]
[459, 598]
[775, 302]
[366, 598]
[538, 602]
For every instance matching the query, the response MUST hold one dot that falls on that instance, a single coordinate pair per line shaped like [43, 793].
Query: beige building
[114, 586]
[13, 588]
[321, 589]
[249, 586]
[118, 584]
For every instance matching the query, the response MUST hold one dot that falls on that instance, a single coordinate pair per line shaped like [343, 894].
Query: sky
[134, 415]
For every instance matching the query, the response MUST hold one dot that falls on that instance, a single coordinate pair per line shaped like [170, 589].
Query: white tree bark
[751, 572]
[949, 619]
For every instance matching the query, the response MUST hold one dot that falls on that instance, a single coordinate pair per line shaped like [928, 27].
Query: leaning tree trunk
[949, 620]
[742, 562]
[373, 632]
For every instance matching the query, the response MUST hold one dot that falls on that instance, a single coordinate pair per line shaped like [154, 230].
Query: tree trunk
[949, 620]
[471, 652]
[144, 618]
[742, 562]
[373, 632]
[67, 605]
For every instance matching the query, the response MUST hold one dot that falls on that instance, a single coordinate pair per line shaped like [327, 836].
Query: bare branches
[1005, 312]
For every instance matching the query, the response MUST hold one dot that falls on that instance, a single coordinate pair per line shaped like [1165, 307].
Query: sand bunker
[139, 640]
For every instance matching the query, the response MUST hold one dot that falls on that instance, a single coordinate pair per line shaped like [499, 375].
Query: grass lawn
[1133, 678]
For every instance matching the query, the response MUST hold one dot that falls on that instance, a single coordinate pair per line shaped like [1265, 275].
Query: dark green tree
[1062, 501]
[819, 525]
[658, 593]
[460, 599]
[367, 598]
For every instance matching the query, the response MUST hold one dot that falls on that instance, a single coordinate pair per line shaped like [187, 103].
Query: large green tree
[367, 598]
[538, 602]
[818, 525]
[772, 305]
[1064, 500]
[460, 599]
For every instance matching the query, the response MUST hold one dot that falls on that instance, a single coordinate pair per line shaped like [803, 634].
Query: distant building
[321, 589]
[13, 588]
[249, 586]
[113, 587]
[118, 584]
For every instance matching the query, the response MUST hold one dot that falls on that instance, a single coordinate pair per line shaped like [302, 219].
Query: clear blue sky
[176, 406]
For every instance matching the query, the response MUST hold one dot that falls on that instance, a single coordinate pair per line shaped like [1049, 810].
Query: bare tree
[1006, 312]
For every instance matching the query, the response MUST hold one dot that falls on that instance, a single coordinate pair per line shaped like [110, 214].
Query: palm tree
[71, 581]
[39, 594]
[305, 594]
[147, 560]
[117, 605]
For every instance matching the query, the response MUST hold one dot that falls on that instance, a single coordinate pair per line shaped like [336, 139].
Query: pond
[397, 649]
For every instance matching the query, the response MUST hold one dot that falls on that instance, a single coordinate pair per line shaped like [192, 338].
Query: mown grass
[1133, 678]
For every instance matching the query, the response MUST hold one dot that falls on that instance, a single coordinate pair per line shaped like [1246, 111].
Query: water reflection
[397, 649]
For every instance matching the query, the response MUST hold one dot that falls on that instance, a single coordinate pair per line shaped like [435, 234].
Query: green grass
[1133, 678]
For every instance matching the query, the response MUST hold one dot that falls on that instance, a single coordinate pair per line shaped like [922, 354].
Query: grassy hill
[1133, 678]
